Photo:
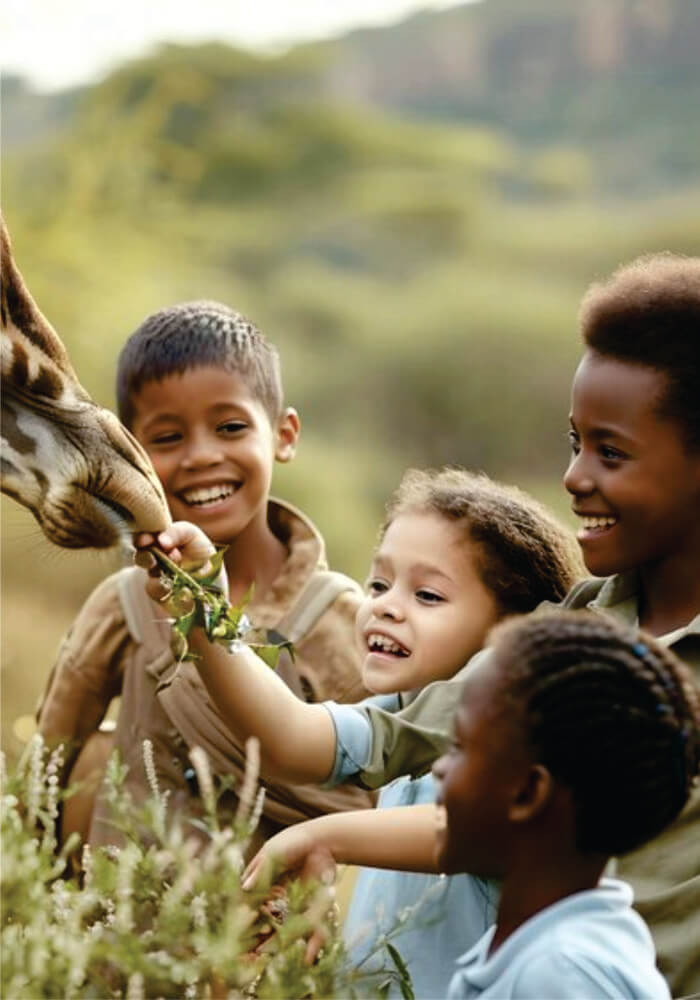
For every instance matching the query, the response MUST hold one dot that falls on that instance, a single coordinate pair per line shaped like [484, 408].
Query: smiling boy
[201, 389]
[214, 445]
[635, 485]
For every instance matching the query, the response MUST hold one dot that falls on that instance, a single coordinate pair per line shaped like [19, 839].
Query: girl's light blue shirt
[590, 944]
[443, 914]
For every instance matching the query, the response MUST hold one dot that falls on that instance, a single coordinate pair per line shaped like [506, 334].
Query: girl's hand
[294, 852]
[184, 543]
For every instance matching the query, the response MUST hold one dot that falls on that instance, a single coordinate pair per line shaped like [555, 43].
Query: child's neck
[256, 557]
[545, 877]
[670, 594]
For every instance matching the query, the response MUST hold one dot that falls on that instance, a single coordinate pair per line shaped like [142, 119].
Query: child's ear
[533, 794]
[288, 428]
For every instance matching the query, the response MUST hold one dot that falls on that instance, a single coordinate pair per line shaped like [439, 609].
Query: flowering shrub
[159, 916]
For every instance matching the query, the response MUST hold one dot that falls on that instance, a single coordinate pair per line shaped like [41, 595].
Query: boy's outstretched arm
[297, 739]
[401, 838]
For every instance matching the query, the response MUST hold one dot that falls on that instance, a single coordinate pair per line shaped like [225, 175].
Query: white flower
[199, 910]
[248, 790]
[257, 810]
[134, 987]
[35, 784]
[159, 800]
[200, 762]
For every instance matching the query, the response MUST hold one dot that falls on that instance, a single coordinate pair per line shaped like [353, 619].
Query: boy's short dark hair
[193, 334]
[525, 556]
[648, 313]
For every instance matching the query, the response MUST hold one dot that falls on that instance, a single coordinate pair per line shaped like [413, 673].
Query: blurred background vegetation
[410, 213]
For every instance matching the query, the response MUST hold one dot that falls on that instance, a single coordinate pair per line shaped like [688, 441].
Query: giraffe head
[83, 476]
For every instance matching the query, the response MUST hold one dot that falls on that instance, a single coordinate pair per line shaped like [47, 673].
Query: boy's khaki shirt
[664, 873]
[99, 660]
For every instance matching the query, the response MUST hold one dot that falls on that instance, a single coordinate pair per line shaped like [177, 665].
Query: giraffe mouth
[97, 521]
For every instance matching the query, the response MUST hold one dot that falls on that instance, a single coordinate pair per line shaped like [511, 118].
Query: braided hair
[612, 714]
[178, 338]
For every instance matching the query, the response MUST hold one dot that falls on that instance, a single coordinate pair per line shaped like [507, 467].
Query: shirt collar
[481, 969]
[620, 593]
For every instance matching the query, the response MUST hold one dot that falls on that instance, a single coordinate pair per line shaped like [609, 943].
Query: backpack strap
[145, 625]
[321, 590]
[183, 698]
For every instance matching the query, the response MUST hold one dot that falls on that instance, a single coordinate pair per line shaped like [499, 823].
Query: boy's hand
[294, 852]
[185, 544]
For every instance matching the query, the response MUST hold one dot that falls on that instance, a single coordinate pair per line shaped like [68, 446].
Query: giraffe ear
[19, 311]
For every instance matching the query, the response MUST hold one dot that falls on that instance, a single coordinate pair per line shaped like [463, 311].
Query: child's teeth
[598, 522]
[383, 642]
[206, 494]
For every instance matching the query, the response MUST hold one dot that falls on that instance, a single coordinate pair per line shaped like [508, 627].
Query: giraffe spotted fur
[83, 476]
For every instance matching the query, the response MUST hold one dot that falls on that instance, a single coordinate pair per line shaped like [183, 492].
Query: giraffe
[86, 480]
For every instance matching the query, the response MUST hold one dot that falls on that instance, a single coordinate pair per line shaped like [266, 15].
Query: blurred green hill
[418, 261]
[620, 78]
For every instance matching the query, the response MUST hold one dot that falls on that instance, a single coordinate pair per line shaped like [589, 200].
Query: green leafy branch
[197, 601]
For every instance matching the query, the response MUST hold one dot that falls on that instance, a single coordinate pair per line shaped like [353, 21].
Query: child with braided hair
[576, 740]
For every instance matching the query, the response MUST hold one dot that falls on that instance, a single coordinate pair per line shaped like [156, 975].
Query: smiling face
[426, 610]
[634, 483]
[213, 448]
[480, 778]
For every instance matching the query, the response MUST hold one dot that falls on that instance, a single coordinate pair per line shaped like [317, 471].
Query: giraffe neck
[28, 372]
[64, 457]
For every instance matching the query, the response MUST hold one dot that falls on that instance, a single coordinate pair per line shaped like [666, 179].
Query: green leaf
[184, 624]
[406, 990]
[268, 654]
[404, 975]
[216, 563]
[196, 601]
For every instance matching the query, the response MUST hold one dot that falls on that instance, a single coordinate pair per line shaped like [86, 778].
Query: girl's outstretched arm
[297, 740]
[401, 838]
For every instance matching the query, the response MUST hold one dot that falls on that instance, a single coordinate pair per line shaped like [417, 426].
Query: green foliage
[157, 916]
[196, 599]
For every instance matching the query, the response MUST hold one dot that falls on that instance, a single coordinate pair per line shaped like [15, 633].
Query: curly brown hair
[525, 556]
[648, 313]
[612, 714]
